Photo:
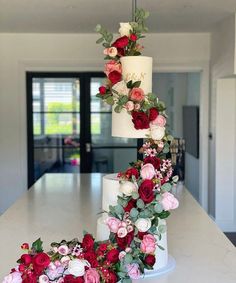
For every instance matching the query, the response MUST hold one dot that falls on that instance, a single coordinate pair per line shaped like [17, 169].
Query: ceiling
[81, 16]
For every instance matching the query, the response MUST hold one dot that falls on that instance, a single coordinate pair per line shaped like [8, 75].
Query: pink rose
[160, 144]
[129, 105]
[130, 228]
[43, 278]
[113, 224]
[133, 270]
[148, 244]
[169, 201]
[122, 232]
[14, 277]
[147, 171]
[63, 250]
[137, 106]
[112, 51]
[159, 121]
[112, 66]
[122, 255]
[137, 94]
[91, 276]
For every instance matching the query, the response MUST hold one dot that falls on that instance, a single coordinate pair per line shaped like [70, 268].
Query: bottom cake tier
[161, 255]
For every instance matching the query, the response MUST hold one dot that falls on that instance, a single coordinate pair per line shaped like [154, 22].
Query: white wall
[61, 52]
[222, 64]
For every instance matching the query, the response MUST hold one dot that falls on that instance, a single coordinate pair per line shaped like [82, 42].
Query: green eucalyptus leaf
[158, 208]
[100, 40]
[98, 28]
[128, 258]
[140, 203]
[118, 109]
[38, 245]
[110, 100]
[134, 212]
[119, 209]
[166, 187]
[135, 195]
[136, 84]
[162, 229]
[129, 84]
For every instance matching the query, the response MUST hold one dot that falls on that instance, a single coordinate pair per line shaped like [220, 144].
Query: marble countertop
[61, 206]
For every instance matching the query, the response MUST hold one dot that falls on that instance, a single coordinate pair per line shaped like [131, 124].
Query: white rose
[127, 188]
[43, 279]
[121, 88]
[143, 224]
[125, 29]
[14, 277]
[76, 267]
[157, 132]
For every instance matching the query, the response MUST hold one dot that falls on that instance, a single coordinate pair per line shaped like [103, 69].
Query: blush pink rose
[129, 105]
[113, 224]
[122, 232]
[169, 201]
[63, 250]
[122, 255]
[133, 270]
[14, 277]
[148, 244]
[112, 66]
[147, 171]
[91, 276]
[137, 106]
[137, 94]
[111, 51]
[159, 121]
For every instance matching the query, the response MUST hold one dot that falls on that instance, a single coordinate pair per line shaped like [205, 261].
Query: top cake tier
[135, 68]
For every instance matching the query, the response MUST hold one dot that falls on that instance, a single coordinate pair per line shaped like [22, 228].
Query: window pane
[58, 123]
[37, 123]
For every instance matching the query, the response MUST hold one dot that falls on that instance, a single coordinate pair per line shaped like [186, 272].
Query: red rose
[71, 279]
[132, 172]
[146, 191]
[102, 89]
[40, 262]
[114, 77]
[150, 260]
[25, 246]
[111, 278]
[131, 204]
[156, 162]
[103, 247]
[121, 42]
[113, 256]
[153, 113]
[133, 37]
[91, 257]
[30, 278]
[88, 242]
[26, 259]
[126, 241]
[140, 120]
[121, 52]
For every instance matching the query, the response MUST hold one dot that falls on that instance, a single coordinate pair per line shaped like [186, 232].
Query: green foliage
[37, 246]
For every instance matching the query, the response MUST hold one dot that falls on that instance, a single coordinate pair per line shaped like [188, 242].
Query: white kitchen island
[61, 206]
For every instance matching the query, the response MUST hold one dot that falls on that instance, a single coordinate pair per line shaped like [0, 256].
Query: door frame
[85, 119]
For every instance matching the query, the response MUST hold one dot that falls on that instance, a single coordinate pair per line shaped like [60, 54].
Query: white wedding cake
[135, 68]
[109, 197]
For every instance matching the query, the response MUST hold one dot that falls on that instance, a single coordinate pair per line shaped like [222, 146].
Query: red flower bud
[26, 259]
[25, 246]
[102, 89]
[133, 37]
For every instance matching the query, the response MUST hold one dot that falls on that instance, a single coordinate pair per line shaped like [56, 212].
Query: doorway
[69, 128]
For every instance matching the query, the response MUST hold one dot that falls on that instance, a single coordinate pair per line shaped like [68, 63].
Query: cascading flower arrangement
[136, 222]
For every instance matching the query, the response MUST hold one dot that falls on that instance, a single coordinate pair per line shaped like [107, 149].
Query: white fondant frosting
[135, 68]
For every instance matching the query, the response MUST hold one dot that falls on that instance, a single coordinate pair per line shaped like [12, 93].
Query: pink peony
[113, 224]
[122, 232]
[112, 66]
[133, 270]
[14, 277]
[137, 94]
[159, 121]
[147, 171]
[91, 276]
[148, 244]
[129, 105]
[169, 201]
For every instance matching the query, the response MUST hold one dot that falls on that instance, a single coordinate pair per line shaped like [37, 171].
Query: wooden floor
[232, 237]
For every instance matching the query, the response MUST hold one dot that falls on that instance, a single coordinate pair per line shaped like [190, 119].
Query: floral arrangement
[136, 223]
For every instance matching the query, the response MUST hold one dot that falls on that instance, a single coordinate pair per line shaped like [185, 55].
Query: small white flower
[143, 224]
[121, 88]
[127, 188]
[125, 29]
[76, 267]
[65, 259]
[63, 250]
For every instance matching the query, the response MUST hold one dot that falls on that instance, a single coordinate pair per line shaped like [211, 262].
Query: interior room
[99, 102]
